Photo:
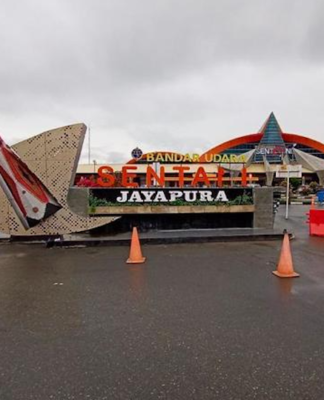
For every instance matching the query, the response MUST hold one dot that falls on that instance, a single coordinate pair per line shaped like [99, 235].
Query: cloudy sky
[180, 75]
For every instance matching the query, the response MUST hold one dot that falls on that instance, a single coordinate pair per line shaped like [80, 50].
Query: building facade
[262, 153]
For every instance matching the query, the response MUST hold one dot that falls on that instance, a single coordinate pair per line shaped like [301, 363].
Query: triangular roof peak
[270, 120]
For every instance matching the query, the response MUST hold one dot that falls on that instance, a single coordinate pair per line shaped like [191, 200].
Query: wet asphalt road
[205, 321]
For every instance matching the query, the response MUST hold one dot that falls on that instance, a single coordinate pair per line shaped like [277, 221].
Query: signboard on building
[195, 158]
[289, 171]
[265, 150]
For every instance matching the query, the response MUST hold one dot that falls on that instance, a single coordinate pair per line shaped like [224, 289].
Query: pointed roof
[272, 133]
[271, 138]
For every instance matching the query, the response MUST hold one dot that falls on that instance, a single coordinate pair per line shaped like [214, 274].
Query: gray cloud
[176, 75]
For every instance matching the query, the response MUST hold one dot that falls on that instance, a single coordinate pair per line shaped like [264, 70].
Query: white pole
[287, 195]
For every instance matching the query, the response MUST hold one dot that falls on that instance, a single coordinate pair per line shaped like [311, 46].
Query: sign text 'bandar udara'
[195, 158]
[107, 177]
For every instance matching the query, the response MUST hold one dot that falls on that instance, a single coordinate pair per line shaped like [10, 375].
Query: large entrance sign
[107, 177]
[43, 190]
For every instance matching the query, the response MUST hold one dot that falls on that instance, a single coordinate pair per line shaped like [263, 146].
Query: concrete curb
[100, 242]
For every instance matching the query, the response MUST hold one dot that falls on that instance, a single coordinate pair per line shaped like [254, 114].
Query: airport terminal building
[262, 153]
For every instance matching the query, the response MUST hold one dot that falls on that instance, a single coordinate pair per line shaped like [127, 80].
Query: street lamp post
[287, 195]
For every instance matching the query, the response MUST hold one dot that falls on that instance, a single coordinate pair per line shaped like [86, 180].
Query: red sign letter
[200, 176]
[106, 179]
[151, 173]
[181, 173]
[126, 175]
[244, 176]
[220, 176]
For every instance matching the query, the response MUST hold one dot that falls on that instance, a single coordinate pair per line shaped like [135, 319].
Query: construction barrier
[316, 222]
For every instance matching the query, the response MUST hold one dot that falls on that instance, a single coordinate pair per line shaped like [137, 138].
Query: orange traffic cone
[285, 268]
[135, 254]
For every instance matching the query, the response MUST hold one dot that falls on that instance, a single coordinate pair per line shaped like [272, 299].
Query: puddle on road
[11, 255]
[286, 287]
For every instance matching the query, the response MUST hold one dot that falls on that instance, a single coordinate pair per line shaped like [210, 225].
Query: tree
[295, 183]
[314, 186]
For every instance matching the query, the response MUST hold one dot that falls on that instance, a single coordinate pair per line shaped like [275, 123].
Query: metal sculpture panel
[27, 195]
[52, 158]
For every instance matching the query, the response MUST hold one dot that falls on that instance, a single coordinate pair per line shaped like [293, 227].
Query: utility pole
[89, 145]
[287, 194]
